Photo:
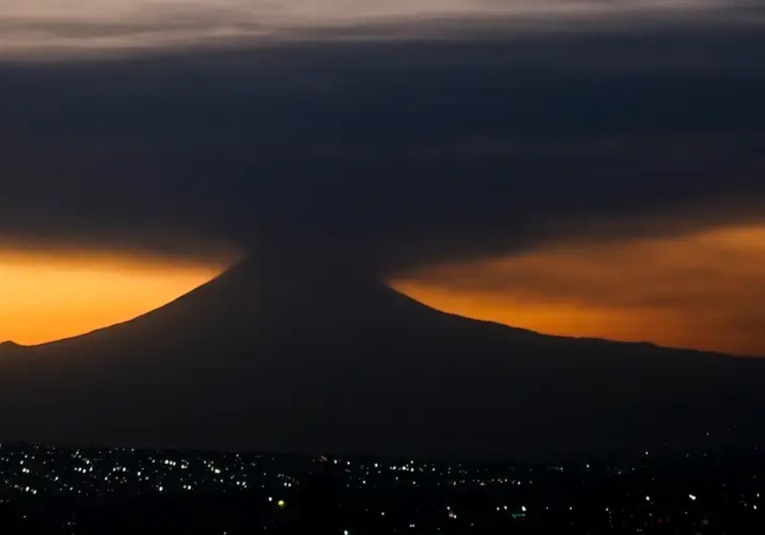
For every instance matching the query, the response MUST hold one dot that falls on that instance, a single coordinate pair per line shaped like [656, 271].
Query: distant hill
[293, 354]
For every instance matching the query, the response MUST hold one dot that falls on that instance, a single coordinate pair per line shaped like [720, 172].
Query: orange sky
[704, 291]
[45, 297]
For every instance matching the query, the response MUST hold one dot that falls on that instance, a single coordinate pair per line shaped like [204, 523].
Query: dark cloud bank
[397, 152]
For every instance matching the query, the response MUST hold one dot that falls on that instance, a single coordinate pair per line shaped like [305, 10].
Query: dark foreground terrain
[56, 491]
[292, 354]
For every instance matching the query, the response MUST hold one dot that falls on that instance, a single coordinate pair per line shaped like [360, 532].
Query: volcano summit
[294, 355]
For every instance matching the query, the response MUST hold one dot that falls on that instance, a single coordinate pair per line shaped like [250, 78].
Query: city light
[97, 474]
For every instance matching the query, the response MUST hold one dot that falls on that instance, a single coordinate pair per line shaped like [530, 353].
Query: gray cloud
[399, 151]
[99, 27]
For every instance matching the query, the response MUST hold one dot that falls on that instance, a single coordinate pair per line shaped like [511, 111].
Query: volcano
[306, 356]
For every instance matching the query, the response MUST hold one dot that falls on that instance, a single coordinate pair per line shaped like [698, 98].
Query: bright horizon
[699, 291]
[48, 297]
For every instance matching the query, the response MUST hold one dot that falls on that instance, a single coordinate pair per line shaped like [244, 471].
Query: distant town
[78, 491]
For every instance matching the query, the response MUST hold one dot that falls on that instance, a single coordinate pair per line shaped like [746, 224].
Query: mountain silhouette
[298, 353]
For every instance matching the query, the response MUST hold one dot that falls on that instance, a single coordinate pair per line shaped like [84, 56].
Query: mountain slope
[301, 354]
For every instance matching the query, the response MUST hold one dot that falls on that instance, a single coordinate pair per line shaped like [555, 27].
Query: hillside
[310, 356]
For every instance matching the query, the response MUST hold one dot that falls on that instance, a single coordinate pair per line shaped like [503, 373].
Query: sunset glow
[702, 291]
[47, 297]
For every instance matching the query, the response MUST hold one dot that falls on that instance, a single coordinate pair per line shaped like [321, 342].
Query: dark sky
[433, 141]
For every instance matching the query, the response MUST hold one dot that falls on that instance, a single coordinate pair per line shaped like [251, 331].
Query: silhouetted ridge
[303, 352]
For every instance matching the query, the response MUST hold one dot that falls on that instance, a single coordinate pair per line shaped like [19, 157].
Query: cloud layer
[54, 27]
[402, 151]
